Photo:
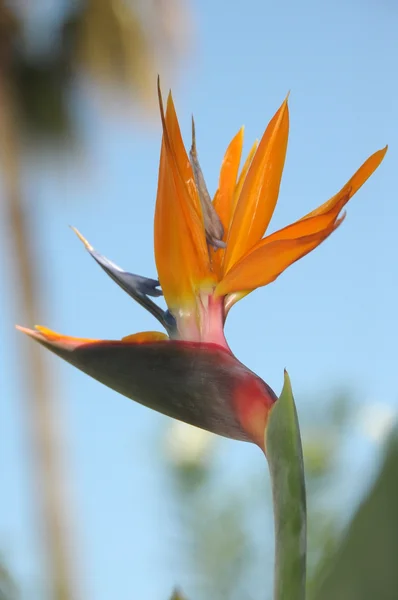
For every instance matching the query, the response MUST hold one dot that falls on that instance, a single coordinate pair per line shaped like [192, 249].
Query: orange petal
[353, 185]
[260, 189]
[227, 182]
[309, 225]
[180, 154]
[298, 230]
[268, 260]
[41, 333]
[224, 197]
[218, 258]
[181, 252]
[280, 249]
[322, 217]
[144, 337]
[242, 178]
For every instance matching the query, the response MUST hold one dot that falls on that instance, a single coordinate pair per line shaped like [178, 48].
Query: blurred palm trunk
[121, 45]
[40, 407]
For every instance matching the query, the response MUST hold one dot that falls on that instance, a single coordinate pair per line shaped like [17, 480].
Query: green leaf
[285, 460]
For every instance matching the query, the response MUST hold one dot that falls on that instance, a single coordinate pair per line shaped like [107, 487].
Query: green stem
[285, 460]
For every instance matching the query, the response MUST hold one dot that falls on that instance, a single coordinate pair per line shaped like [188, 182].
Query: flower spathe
[209, 254]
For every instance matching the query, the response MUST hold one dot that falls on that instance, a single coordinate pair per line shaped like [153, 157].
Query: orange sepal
[309, 225]
[145, 336]
[276, 252]
[181, 157]
[181, 252]
[260, 189]
[241, 179]
[224, 197]
[223, 200]
[220, 255]
[352, 186]
[323, 216]
[269, 259]
[43, 333]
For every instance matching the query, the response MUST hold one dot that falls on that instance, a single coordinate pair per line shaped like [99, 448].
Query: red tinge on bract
[201, 384]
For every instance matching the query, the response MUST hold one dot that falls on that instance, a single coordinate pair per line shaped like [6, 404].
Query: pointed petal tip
[52, 339]
[25, 330]
[38, 333]
[241, 134]
[285, 104]
[260, 189]
[170, 101]
[87, 244]
[378, 157]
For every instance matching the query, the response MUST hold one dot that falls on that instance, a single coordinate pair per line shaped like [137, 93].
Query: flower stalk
[285, 460]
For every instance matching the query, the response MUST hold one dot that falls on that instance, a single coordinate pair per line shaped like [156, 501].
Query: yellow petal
[268, 260]
[353, 185]
[260, 190]
[181, 252]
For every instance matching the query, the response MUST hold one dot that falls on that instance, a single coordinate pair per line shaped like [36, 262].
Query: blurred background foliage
[118, 46]
[8, 589]
[222, 526]
[43, 54]
[364, 566]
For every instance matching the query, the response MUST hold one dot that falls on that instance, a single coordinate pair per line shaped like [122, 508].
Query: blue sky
[330, 319]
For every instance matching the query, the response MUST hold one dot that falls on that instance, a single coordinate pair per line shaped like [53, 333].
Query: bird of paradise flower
[209, 254]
